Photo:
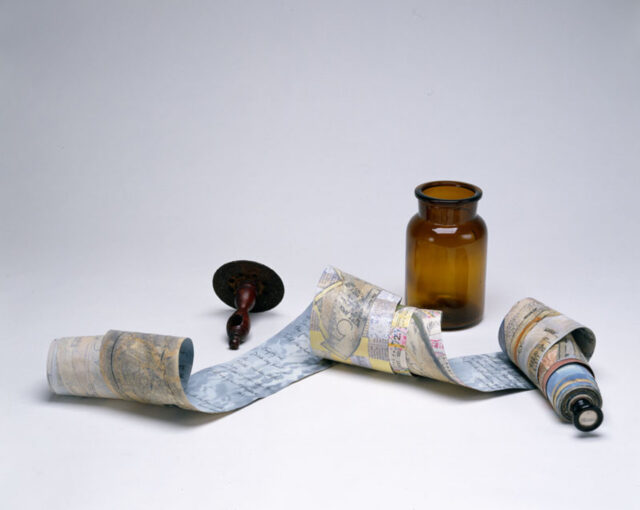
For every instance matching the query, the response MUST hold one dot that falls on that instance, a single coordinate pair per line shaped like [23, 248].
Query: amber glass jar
[447, 253]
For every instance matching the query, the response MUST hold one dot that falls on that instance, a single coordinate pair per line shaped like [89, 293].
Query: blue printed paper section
[349, 321]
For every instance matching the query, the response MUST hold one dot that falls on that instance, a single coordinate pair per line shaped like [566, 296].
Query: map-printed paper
[349, 321]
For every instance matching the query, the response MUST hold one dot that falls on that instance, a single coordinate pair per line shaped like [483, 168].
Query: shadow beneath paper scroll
[169, 415]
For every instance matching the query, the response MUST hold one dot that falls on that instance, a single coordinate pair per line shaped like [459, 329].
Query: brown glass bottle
[447, 253]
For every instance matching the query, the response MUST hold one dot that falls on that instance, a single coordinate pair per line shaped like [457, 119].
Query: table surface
[144, 144]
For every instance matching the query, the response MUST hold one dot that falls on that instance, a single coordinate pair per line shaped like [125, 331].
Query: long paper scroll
[349, 321]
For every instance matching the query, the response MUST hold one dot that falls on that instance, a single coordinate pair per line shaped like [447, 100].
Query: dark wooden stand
[238, 325]
[248, 287]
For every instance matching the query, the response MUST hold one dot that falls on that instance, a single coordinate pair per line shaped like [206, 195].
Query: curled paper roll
[357, 323]
[553, 350]
[156, 369]
[153, 369]
[349, 321]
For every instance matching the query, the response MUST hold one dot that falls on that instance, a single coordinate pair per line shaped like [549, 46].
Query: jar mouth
[448, 192]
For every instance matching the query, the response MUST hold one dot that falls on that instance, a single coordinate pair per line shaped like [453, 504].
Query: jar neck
[447, 214]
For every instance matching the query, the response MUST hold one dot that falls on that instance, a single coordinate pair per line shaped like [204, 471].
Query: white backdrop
[143, 144]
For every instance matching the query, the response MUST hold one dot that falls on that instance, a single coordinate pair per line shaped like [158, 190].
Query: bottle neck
[447, 214]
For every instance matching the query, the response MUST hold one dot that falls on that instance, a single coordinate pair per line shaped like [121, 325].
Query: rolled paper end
[148, 368]
[73, 367]
[553, 351]
[131, 366]
[587, 416]
[569, 385]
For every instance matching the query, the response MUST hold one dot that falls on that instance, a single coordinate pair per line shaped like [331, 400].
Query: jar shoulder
[420, 227]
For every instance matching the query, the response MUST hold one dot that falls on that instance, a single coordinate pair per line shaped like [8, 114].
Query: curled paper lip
[350, 321]
[529, 312]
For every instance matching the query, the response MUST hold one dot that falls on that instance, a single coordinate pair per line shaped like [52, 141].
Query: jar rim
[420, 195]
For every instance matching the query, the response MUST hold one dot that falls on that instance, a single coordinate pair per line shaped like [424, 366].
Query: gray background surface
[143, 144]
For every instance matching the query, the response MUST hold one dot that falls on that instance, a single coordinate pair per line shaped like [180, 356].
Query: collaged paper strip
[350, 321]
